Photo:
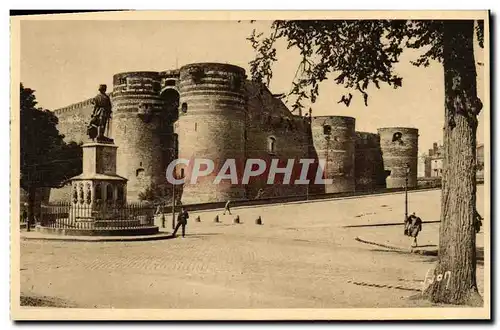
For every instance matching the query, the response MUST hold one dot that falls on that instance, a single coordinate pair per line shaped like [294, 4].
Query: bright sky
[65, 61]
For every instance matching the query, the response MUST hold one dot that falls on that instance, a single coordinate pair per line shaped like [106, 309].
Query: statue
[100, 116]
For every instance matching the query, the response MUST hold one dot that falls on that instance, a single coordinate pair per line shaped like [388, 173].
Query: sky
[64, 61]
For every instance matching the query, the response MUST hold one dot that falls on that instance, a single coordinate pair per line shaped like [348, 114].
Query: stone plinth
[98, 193]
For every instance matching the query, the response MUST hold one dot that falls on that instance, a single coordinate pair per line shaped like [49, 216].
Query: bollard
[198, 219]
[237, 219]
[216, 218]
[258, 221]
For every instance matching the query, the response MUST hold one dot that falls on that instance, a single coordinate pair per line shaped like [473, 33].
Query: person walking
[181, 222]
[414, 228]
[408, 222]
[259, 193]
[24, 214]
[227, 208]
[478, 221]
[159, 213]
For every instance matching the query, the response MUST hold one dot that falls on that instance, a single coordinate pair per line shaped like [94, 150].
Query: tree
[157, 194]
[361, 53]
[46, 160]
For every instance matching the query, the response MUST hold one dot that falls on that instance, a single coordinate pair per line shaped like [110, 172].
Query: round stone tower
[399, 147]
[136, 129]
[211, 125]
[334, 139]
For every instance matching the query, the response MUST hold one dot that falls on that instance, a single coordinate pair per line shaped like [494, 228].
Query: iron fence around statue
[66, 215]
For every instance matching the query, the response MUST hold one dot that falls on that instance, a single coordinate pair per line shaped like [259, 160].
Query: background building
[431, 164]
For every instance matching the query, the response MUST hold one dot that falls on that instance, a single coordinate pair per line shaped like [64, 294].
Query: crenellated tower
[211, 125]
[399, 147]
[139, 120]
[333, 138]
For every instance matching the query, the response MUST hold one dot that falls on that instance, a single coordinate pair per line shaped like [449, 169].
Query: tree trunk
[31, 206]
[454, 279]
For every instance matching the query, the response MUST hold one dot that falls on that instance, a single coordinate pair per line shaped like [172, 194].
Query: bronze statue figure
[100, 116]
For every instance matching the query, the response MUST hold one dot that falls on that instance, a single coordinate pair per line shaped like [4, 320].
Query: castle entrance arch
[170, 97]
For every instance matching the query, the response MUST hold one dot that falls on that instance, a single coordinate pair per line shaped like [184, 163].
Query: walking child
[227, 208]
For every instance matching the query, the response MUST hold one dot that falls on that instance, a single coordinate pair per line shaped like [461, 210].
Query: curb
[386, 224]
[318, 200]
[61, 238]
[399, 249]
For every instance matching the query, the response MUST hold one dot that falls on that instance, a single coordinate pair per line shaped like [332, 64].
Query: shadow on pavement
[44, 301]
[386, 224]
[199, 235]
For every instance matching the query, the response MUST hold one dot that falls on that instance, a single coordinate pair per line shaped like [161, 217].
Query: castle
[212, 111]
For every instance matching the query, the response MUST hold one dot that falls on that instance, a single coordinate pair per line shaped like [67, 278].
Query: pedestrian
[24, 214]
[159, 213]
[181, 221]
[414, 228]
[259, 193]
[227, 208]
[408, 222]
[478, 221]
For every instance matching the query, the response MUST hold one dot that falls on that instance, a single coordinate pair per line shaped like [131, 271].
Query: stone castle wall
[73, 120]
[274, 133]
[368, 165]
[210, 110]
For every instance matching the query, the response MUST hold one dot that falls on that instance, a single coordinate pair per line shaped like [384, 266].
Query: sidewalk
[35, 235]
[392, 238]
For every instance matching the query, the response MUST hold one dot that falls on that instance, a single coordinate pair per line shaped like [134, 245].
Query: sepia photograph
[244, 165]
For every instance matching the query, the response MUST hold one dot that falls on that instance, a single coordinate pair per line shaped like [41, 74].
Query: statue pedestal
[98, 193]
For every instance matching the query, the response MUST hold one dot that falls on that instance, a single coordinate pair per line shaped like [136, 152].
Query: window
[397, 137]
[75, 194]
[170, 82]
[327, 129]
[271, 145]
[184, 107]
[97, 192]
[109, 192]
[120, 194]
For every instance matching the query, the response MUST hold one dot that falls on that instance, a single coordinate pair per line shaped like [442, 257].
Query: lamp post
[406, 191]
[174, 153]
[327, 151]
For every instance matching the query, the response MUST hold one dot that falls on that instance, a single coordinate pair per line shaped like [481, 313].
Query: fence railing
[106, 216]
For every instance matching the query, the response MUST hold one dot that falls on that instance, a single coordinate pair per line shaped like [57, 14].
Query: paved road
[302, 257]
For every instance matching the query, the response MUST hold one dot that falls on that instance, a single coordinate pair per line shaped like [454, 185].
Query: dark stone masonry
[212, 111]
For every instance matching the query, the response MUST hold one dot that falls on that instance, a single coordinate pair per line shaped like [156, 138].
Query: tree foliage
[157, 194]
[355, 54]
[358, 54]
[46, 160]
